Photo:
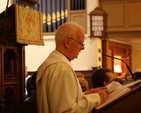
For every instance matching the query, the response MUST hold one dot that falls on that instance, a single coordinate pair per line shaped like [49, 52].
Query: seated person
[83, 82]
[79, 75]
[27, 76]
[128, 76]
[31, 103]
[137, 75]
[102, 77]
[29, 87]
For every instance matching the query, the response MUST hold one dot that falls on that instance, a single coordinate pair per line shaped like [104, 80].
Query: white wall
[35, 55]
[3, 4]
[87, 59]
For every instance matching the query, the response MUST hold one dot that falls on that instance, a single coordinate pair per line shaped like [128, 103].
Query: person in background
[128, 76]
[102, 77]
[29, 87]
[31, 104]
[57, 87]
[137, 74]
[27, 76]
[138, 70]
[83, 82]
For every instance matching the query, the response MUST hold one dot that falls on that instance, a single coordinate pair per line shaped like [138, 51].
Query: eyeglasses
[82, 45]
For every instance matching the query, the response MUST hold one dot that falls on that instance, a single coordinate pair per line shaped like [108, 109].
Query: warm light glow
[117, 69]
[117, 64]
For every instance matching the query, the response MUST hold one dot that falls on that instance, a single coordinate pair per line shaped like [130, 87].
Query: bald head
[67, 29]
[67, 35]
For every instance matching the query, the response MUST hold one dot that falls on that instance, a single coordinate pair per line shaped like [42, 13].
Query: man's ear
[67, 42]
[105, 83]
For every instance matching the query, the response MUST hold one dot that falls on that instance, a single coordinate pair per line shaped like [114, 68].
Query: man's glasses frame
[82, 45]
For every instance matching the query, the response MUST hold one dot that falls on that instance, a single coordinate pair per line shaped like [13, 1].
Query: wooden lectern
[128, 103]
[18, 28]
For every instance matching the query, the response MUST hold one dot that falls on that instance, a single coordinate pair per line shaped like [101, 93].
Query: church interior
[112, 40]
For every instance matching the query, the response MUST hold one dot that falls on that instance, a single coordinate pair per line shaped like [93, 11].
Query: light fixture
[117, 68]
[117, 64]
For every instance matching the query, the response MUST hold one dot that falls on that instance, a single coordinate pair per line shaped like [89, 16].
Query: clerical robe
[58, 89]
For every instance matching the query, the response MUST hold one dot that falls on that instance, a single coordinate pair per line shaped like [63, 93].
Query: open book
[117, 90]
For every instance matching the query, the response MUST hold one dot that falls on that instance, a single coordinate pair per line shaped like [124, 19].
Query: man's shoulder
[60, 65]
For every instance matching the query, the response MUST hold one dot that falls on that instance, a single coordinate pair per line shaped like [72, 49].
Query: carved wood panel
[115, 48]
[122, 15]
[12, 75]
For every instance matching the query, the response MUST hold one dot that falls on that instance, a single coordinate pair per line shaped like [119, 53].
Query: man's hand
[102, 91]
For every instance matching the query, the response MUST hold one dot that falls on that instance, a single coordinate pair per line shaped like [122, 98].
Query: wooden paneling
[79, 17]
[122, 15]
[115, 48]
[133, 14]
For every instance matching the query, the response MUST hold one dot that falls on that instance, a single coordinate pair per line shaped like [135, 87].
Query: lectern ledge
[128, 100]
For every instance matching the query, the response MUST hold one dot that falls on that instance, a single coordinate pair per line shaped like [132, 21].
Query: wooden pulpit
[19, 26]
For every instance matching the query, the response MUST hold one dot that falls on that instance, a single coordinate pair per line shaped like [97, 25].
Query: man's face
[76, 45]
[111, 77]
[129, 77]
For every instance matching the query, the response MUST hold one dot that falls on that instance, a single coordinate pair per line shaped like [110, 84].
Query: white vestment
[58, 89]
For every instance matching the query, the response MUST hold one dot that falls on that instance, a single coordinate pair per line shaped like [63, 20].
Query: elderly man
[58, 89]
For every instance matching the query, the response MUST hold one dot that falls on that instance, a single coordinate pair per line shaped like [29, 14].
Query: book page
[114, 95]
[132, 83]
[119, 91]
